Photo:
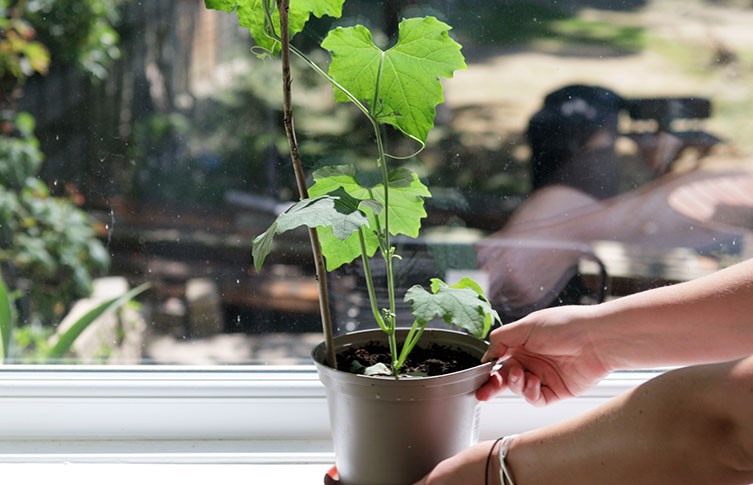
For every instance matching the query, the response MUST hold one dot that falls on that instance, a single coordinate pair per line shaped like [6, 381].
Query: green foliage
[20, 55]
[251, 16]
[47, 240]
[79, 33]
[39, 344]
[7, 318]
[399, 87]
[67, 338]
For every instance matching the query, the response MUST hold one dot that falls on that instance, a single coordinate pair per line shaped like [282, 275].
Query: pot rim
[449, 336]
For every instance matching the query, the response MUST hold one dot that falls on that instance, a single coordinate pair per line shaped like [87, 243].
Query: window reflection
[588, 152]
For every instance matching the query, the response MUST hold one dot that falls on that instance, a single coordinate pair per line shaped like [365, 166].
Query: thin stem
[385, 230]
[321, 272]
[414, 335]
[334, 83]
[370, 284]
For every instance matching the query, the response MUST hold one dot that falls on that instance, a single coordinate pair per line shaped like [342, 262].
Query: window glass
[589, 150]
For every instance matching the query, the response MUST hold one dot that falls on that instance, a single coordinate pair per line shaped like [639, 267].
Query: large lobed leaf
[251, 16]
[461, 305]
[339, 212]
[401, 85]
[406, 209]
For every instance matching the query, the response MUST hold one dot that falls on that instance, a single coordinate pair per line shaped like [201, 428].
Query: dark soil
[433, 360]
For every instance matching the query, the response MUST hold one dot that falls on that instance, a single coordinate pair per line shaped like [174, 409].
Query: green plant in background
[46, 348]
[49, 249]
[352, 218]
[49, 243]
[21, 56]
[80, 33]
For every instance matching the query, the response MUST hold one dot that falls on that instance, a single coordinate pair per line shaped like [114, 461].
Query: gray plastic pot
[394, 431]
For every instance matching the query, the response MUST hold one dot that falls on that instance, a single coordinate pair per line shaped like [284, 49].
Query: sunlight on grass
[577, 30]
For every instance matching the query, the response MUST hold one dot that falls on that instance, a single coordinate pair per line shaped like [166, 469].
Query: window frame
[185, 414]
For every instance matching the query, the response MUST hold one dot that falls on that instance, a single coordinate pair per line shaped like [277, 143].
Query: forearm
[690, 426]
[709, 319]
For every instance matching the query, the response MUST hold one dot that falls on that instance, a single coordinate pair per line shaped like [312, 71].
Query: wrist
[604, 334]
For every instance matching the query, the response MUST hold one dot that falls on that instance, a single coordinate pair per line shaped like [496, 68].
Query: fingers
[520, 382]
[523, 383]
[493, 386]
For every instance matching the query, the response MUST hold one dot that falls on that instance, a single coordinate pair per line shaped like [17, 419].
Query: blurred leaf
[6, 320]
[66, 340]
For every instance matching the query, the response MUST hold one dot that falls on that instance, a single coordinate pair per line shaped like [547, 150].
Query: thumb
[505, 338]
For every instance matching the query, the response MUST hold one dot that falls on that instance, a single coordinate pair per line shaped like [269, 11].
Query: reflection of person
[530, 260]
[691, 425]
[533, 261]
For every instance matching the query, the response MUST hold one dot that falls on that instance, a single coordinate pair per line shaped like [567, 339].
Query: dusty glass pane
[589, 150]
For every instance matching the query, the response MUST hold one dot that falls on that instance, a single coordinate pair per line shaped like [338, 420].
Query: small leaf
[459, 305]
[261, 246]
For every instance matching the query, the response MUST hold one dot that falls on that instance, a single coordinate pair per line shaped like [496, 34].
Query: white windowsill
[226, 423]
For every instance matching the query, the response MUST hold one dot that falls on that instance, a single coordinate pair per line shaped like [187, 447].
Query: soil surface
[433, 360]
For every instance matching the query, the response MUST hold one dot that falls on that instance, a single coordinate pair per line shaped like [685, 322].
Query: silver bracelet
[505, 477]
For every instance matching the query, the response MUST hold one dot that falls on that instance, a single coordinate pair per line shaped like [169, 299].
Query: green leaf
[251, 16]
[406, 209]
[461, 305]
[66, 340]
[339, 213]
[261, 246]
[401, 85]
[6, 320]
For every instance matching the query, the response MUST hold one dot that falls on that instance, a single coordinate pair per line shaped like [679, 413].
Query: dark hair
[562, 136]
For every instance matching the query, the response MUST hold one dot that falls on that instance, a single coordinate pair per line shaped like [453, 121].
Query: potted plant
[391, 421]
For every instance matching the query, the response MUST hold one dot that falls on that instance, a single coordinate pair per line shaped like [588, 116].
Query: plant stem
[370, 284]
[387, 250]
[295, 157]
[410, 341]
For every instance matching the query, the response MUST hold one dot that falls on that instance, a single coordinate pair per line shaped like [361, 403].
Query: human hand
[551, 355]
